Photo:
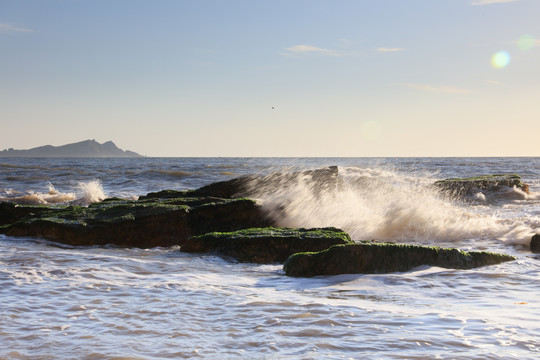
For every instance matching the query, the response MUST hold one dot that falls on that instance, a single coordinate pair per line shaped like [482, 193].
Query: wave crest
[385, 205]
[85, 194]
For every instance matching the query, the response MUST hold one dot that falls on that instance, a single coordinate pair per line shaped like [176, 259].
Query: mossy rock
[465, 186]
[11, 212]
[370, 258]
[164, 194]
[266, 245]
[146, 223]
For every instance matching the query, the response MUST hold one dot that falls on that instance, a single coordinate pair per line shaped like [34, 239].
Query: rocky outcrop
[162, 218]
[252, 185]
[145, 223]
[535, 243]
[11, 212]
[266, 245]
[216, 218]
[368, 258]
[468, 186]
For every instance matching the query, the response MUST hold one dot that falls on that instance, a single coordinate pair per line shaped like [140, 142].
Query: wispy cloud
[438, 89]
[489, 2]
[8, 28]
[385, 50]
[303, 49]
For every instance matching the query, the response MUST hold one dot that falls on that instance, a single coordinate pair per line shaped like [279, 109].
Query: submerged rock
[535, 243]
[266, 245]
[150, 222]
[468, 186]
[369, 258]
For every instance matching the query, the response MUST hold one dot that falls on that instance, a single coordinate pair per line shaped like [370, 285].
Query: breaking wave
[84, 194]
[384, 205]
[89, 192]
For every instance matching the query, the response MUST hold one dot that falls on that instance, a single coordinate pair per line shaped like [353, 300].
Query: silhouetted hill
[87, 148]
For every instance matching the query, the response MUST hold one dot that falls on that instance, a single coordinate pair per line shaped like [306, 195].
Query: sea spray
[89, 192]
[51, 197]
[84, 194]
[384, 205]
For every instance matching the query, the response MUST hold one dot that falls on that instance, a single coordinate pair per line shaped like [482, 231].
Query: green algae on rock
[146, 223]
[370, 258]
[266, 245]
[464, 186]
[11, 212]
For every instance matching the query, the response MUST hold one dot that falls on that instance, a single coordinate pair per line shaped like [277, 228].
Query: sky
[327, 78]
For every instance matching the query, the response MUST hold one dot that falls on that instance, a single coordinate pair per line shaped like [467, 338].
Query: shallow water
[59, 302]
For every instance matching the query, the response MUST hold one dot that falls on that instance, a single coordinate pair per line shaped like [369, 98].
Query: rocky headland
[86, 148]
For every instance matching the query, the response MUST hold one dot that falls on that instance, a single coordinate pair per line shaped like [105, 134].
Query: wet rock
[237, 187]
[163, 218]
[253, 185]
[266, 245]
[535, 243]
[145, 223]
[368, 258]
[164, 194]
[471, 185]
[11, 212]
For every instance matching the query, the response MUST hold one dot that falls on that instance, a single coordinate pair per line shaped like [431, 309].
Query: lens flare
[526, 42]
[500, 59]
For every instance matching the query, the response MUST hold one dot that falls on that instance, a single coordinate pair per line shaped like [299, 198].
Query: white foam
[89, 192]
[85, 194]
[52, 196]
[385, 205]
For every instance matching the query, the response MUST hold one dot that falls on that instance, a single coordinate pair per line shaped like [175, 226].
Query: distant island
[87, 148]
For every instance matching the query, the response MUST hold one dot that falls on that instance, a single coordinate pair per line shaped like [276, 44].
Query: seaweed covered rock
[11, 212]
[266, 245]
[468, 186]
[144, 223]
[369, 258]
[535, 243]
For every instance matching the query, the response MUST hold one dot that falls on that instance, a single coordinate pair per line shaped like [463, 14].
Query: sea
[106, 302]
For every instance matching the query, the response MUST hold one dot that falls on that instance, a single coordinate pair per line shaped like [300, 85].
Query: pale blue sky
[345, 78]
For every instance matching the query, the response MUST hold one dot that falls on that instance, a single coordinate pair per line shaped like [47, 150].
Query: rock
[163, 218]
[368, 258]
[11, 212]
[164, 194]
[237, 187]
[266, 245]
[144, 223]
[535, 243]
[468, 186]
[253, 185]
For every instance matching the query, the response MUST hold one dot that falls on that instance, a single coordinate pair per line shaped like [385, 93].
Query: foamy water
[388, 206]
[61, 302]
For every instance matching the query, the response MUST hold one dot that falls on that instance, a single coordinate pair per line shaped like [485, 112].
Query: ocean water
[62, 302]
